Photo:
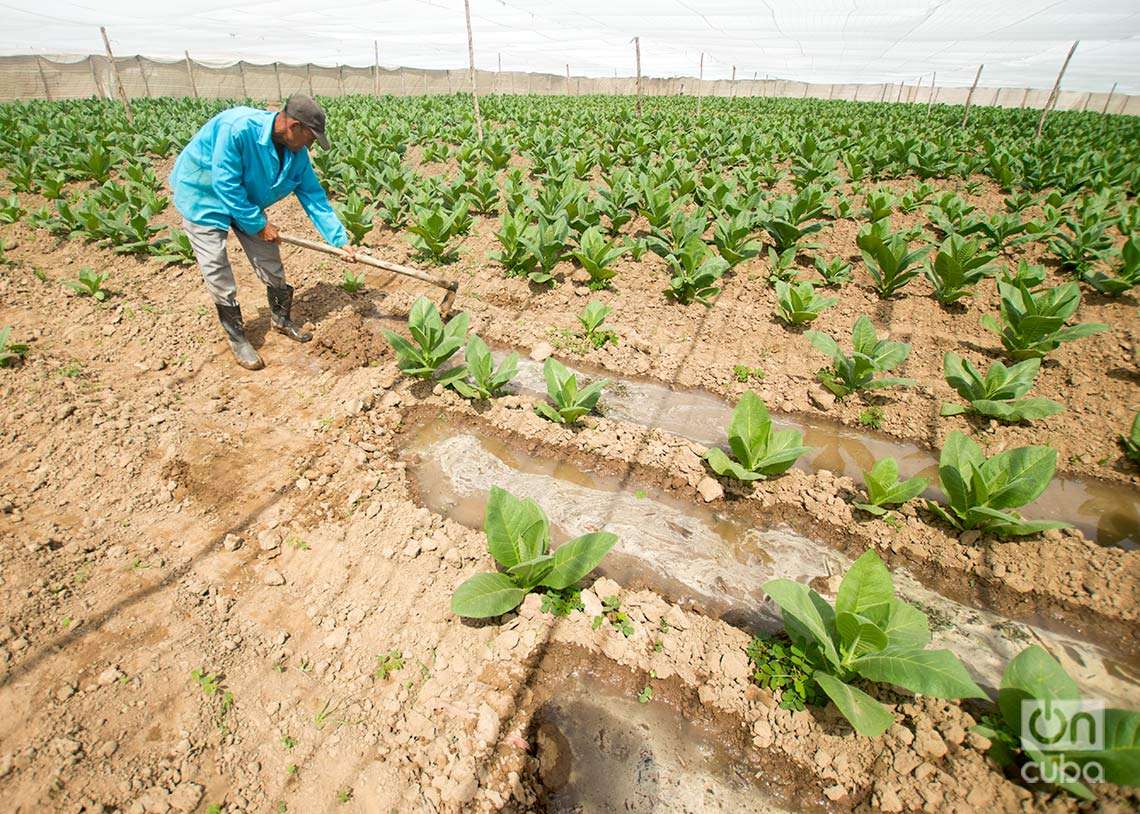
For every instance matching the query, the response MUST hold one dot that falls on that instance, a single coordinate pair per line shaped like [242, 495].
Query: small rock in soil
[541, 351]
[710, 489]
[273, 577]
[823, 399]
[231, 542]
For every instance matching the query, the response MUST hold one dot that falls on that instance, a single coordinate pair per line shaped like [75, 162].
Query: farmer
[242, 161]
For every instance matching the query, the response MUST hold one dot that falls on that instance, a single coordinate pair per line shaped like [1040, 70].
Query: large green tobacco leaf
[576, 558]
[868, 716]
[531, 572]
[516, 529]
[486, 595]
[929, 672]
[749, 430]
[1018, 476]
[1120, 757]
[906, 626]
[1033, 675]
[866, 589]
[858, 635]
[813, 621]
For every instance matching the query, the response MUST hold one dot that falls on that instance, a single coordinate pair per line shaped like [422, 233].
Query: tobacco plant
[477, 377]
[1130, 442]
[90, 284]
[869, 634]
[597, 255]
[174, 249]
[433, 232]
[1033, 323]
[11, 353]
[759, 450]
[1035, 684]
[890, 261]
[518, 538]
[546, 243]
[884, 489]
[10, 209]
[870, 356]
[835, 272]
[570, 402]
[351, 283]
[1000, 393]
[591, 319]
[798, 304]
[959, 265]
[1127, 276]
[435, 342]
[696, 270]
[733, 237]
[982, 492]
[356, 216]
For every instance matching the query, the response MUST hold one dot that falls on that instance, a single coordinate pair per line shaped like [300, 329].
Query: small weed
[562, 603]
[646, 695]
[297, 543]
[71, 370]
[611, 609]
[640, 494]
[351, 283]
[281, 807]
[872, 417]
[658, 646]
[292, 770]
[214, 808]
[89, 284]
[777, 664]
[743, 373]
[892, 520]
[41, 275]
[209, 682]
[663, 625]
[288, 741]
[306, 665]
[344, 795]
[389, 663]
[322, 716]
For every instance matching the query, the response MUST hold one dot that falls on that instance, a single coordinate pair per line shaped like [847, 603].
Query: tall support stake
[637, 54]
[930, 101]
[241, 72]
[190, 73]
[99, 92]
[732, 87]
[277, 76]
[567, 78]
[43, 78]
[1085, 103]
[499, 75]
[1109, 99]
[118, 79]
[1052, 100]
[375, 67]
[340, 80]
[1024, 98]
[471, 70]
[142, 73]
[309, 74]
[970, 95]
[700, 84]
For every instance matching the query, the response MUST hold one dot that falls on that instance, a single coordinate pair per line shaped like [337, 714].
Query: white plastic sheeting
[1021, 42]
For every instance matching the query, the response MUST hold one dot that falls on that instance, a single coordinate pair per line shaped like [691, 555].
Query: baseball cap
[305, 110]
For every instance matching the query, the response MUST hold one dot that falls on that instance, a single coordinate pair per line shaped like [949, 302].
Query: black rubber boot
[230, 317]
[280, 303]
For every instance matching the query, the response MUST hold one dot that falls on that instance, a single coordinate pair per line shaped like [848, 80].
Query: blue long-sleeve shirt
[230, 172]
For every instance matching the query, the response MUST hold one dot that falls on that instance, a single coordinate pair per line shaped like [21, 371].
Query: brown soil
[164, 511]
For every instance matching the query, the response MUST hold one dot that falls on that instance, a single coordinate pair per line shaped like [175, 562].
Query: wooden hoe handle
[450, 285]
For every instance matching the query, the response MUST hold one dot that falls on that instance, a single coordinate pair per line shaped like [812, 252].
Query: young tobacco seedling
[869, 634]
[835, 272]
[11, 353]
[959, 265]
[646, 695]
[591, 319]
[545, 241]
[514, 255]
[998, 394]
[597, 255]
[478, 378]
[357, 217]
[733, 237]
[351, 283]
[885, 490]
[435, 342]
[570, 403]
[870, 356]
[209, 682]
[1034, 683]
[388, 664]
[89, 284]
[433, 231]
[890, 262]
[982, 492]
[798, 304]
[760, 450]
[1033, 323]
[1131, 442]
[518, 537]
[742, 373]
[696, 270]
[1127, 276]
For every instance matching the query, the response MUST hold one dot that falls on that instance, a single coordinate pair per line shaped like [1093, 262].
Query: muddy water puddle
[600, 750]
[1105, 512]
[715, 563]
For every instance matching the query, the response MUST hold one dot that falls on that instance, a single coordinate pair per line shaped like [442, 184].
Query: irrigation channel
[1106, 513]
[715, 563]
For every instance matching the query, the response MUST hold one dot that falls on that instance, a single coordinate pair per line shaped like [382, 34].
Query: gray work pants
[210, 248]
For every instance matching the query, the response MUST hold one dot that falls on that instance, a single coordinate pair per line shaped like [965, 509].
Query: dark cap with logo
[309, 113]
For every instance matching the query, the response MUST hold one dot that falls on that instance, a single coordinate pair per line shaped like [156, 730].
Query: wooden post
[700, 83]
[142, 73]
[43, 77]
[1052, 100]
[309, 74]
[190, 73]
[883, 93]
[471, 68]
[241, 72]
[732, 87]
[375, 67]
[970, 95]
[425, 82]
[1085, 103]
[499, 75]
[340, 80]
[99, 94]
[1109, 99]
[930, 101]
[118, 79]
[1024, 98]
[277, 76]
[448, 72]
[637, 54]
